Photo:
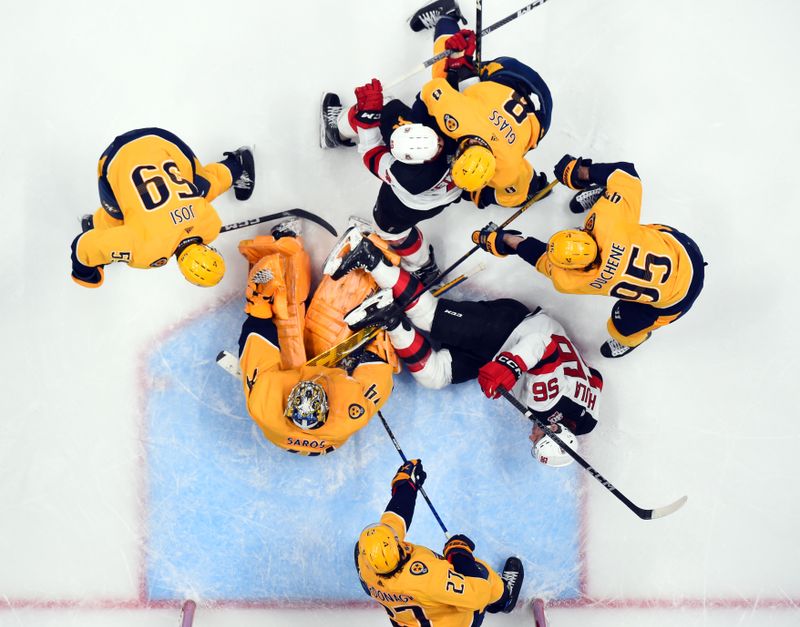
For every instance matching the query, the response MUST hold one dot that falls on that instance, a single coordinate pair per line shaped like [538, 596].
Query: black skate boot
[244, 183]
[613, 349]
[429, 272]
[427, 16]
[362, 254]
[87, 222]
[512, 576]
[378, 309]
[329, 136]
[584, 200]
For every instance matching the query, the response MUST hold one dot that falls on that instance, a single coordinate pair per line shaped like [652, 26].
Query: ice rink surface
[115, 502]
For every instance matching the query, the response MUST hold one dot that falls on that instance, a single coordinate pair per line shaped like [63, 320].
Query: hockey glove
[461, 46]
[482, 198]
[83, 275]
[458, 544]
[369, 104]
[412, 472]
[502, 372]
[265, 294]
[490, 238]
[566, 171]
[538, 183]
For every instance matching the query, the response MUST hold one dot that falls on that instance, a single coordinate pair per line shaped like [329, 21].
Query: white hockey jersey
[422, 187]
[558, 384]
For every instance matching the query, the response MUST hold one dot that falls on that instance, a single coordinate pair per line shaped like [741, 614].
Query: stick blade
[661, 512]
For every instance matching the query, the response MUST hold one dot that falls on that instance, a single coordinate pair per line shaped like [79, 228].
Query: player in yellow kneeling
[417, 586]
[156, 199]
[655, 271]
[309, 410]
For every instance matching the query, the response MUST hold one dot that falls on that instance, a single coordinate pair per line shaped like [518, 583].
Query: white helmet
[415, 143]
[550, 453]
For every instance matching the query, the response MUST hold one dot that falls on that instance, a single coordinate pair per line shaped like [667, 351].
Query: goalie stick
[480, 33]
[230, 362]
[644, 514]
[298, 213]
[187, 614]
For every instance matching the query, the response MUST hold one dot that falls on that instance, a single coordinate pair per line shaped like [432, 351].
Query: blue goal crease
[231, 517]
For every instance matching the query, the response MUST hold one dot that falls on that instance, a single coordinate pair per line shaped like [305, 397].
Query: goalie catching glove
[503, 372]
[410, 471]
[265, 294]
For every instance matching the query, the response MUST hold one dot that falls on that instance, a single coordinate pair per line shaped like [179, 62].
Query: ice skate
[330, 110]
[288, 228]
[613, 349]
[584, 200]
[378, 309]
[427, 16]
[512, 576]
[351, 252]
[245, 182]
[429, 271]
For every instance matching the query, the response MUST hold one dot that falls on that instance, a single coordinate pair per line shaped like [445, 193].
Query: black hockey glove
[490, 238]
[538, 183]
[566, 171]
[83, 275]
[458, 544]
[412, 472]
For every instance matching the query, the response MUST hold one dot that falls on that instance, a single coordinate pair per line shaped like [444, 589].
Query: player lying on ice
[425, 157]
[156, 198]
[417, 586]
[655, 271]
[500, 342]
[309, 410]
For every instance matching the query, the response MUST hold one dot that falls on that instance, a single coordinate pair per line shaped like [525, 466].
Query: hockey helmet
[201, 264]
[307, 405]
[415, 143]
[571, 249]
[473, 166]
[380, 548]
[551, 454]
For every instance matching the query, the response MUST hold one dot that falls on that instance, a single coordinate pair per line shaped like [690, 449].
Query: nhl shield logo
[418, 568]
[450, 123]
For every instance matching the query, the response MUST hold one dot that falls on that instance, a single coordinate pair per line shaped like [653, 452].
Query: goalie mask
[551, 454]
[307, 405]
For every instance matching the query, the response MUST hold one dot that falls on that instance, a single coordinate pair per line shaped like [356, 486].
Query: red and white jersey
[555, 375]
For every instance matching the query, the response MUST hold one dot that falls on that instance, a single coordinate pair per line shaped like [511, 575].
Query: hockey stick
[420, 489]
[644, 514]
[298, 213]
[536, 198]
[480, 33]
[230, 362]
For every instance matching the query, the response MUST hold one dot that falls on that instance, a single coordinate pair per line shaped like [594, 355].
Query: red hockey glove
[502, 372]
[369, 104]
[566, 171]
[462, 45]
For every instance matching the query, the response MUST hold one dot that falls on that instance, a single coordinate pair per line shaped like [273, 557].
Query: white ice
[701, 95]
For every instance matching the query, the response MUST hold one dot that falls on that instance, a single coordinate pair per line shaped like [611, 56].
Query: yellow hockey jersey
[493, 112]
[426, 590]
[156, 195]
[352, 400]
[644, 263]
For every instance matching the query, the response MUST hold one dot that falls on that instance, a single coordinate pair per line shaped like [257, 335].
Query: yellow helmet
[571, 249]
[473, 168]
[201, 265]
[380, 547]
